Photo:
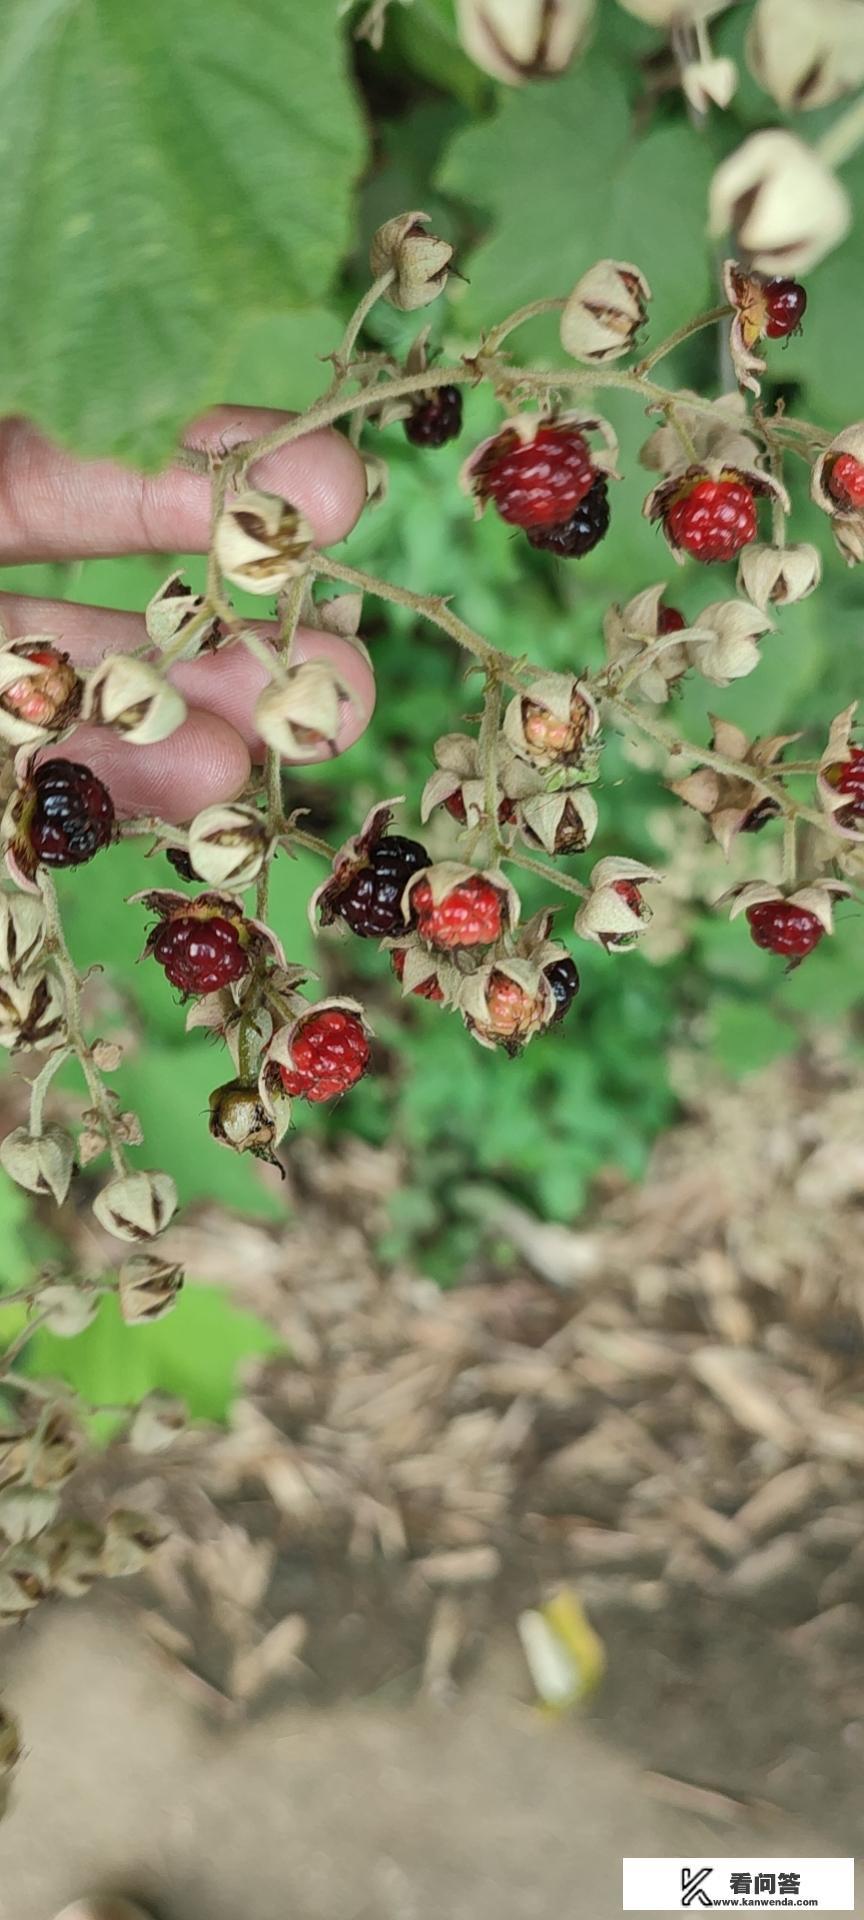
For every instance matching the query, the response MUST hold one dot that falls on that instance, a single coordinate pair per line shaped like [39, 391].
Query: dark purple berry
[72, 816]
[584, 530]
[563, 978]
[371, 901]
[435, 418]
[178, 858]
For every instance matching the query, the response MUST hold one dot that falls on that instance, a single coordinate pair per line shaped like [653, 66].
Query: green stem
[39, 1088]
[77, 1044]
[14, 1352]
[433, 608]
[532, 311]
[676, 339]
[555, 879]
[327, 411]
[342, 356]
[790, 849]
[844, 137]
[488, 754]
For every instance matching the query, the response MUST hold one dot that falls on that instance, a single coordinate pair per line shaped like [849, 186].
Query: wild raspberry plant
[524, 792]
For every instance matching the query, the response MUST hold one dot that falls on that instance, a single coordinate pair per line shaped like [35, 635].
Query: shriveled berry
[330, 1054]
[669, 620]
[470, 915]
[563, 978]
[48, 697]
[427, 990]
[200, 955]
[72, 816]
[552, 736]
[178, 858]
[782, 927]
[435, 418]
[846, 481]
[370, 901]
[785, 305]
[583, 531]
[538, 483]
[847, 776]
[714, 519]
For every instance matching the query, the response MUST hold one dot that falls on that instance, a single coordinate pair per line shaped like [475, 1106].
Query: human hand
[54, 507]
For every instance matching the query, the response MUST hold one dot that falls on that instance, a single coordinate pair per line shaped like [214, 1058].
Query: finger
[56, 507]
[226, 683]
[203, 762]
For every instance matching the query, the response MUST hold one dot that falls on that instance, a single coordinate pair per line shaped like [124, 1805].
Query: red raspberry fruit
[584, 529]
[847, 776]
[200, 955]
[72, 814]
[371, 901]
[427, 990]
[331, 1053]
[786, 305]
[846, 481]
[470, 915]
[784, 928]
[538, 483]
[714, 519]
[563, 978]
[435, 418]
[669, 620]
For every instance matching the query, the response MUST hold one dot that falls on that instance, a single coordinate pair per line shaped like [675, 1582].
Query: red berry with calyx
[782, 927]
[584, 529]
[330, 1054]
[669, 620]
[470, 915]
[785, 306]
[435, 418]
[428, 989]
[200, 955]
[455, 805]
[539, 482]
[847, 776]
[370, 902]
[563, 978]
[50, 698]
[71, 816]
[714, 519]
[846, 481]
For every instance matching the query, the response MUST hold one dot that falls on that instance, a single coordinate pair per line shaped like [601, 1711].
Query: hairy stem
[433, 608]
[77, 1044]
[676, 339]
[38, 1090]
[532, 311]
[556, 879]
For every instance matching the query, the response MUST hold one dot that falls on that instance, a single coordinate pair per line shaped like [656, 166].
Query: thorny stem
[676, 339]
[56, 946]
[434, 608]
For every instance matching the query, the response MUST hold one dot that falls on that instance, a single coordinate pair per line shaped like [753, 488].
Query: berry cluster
[521, 792]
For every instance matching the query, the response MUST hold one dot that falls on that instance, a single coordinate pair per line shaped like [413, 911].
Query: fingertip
[324, 474]
[203, 762]
[230, 682]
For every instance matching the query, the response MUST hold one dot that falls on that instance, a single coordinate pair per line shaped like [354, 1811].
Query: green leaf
[194, 1352]
[564, 183]
[169, 171]
[746, 1037]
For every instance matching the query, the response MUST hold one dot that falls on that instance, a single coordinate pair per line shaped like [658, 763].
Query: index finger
[56, 507]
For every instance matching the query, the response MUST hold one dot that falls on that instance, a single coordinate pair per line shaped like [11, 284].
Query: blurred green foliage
[532, 185]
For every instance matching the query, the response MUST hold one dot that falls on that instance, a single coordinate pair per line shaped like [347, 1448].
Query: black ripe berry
[370, 903]
[563, 978]
[435, 418]
[73, 814]
[178, 858]
[584, 530]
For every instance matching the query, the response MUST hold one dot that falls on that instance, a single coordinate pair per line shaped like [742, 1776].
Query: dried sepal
[133, 699]
[778, 576]
[826, 488]
[633, 630]
[782, 204]
[520, 40]
[22, 932]
[301, 713]
[69, 1307]
[74, 1547]
[32, 1011]
[605, 312]
[40, 691]
[130, 1541]
[840, 753]
[261, 542]
[159, 1419]
[40, 1162]
[668, 13]
[613, 913]
[733, 804]
[418, 260]
[228, 844]
[25, 1512]
[806, 53]
[505, 1002]
[174, 612]
[51, 1454]
[563, 822]
[147, 1287]
[136, 1206]
[431, 976]
[718, 431]
[460, 773]
[732, 651]
[711, 82]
